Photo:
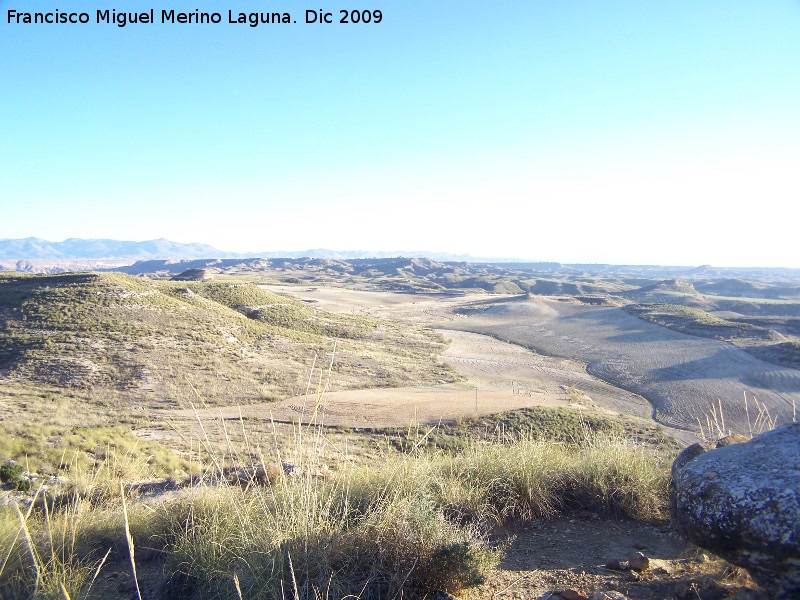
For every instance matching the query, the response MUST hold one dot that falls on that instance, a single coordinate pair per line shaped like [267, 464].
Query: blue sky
[627, 132]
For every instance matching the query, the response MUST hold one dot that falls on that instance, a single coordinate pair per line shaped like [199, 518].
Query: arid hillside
[110, 349]
[684, 377]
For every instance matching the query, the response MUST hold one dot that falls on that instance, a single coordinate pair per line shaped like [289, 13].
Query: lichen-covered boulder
[742, 502]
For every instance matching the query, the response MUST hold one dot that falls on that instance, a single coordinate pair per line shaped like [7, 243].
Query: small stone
[613, 564]
[639, 562]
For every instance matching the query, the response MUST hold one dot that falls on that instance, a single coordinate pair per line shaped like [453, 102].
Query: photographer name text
[197, 17]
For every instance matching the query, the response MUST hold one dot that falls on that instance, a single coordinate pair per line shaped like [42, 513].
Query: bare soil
[547, 557]
[498, 376]
[682, 376]
[677, 378]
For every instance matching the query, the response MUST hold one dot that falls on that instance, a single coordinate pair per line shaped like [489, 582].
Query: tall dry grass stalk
[714, 427]
[54, 567]
[417, 522]
[129, 540]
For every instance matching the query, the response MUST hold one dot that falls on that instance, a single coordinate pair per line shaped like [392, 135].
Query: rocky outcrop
[742, 502]
[194, 275]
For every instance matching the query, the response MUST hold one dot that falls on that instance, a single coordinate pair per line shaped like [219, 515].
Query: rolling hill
[98, 350]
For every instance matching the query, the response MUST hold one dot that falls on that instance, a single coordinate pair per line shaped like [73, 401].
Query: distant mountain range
[35, 255]
[37, 249]
[355, 254]
[80, 249]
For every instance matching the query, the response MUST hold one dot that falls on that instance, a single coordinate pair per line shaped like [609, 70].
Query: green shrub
[10, 472]
[24, 485]
[453, 566]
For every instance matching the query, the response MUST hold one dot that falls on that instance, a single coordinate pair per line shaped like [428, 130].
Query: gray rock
[639, 562]
[742, 502]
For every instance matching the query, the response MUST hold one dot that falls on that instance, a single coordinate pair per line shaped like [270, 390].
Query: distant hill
[740, 288]
[174, 267]
[401, 274]
[366, 254]
[35, 255]
[670, 285]
[669, 291]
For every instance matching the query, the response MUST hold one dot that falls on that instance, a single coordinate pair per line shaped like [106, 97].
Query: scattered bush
[24, 485]
[10, 472]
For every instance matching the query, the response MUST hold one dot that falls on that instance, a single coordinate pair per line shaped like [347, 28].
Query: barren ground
[506, 376]
[572, 553]
[681, 376]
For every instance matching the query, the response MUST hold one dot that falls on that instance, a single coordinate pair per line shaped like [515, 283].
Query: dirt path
[506, 376]
[494, 364]
[546, 557]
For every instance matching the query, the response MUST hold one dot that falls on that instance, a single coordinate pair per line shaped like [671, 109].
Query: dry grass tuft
[414, 524]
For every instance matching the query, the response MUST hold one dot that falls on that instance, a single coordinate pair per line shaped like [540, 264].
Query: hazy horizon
[342, 253]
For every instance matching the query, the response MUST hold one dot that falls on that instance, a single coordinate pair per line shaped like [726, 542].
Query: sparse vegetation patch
[561, 425]
[104, 349]
[413, 525]
[695, 321]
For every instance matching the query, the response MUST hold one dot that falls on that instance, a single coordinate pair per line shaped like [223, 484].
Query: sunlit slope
[683, 376]
[167, 342]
